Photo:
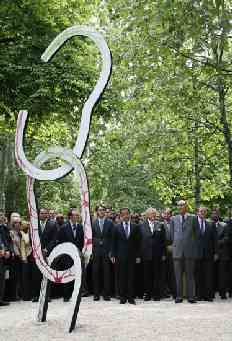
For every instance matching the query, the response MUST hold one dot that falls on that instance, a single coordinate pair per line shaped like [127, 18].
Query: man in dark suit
[184, 236]
[229, 229]
[53, 239]
[207, 256]
[4, 255]
[72, 232]
[153, 253]
[47, 233]
[223, 263]
[169, 275]
[125, 250]
[102, 230]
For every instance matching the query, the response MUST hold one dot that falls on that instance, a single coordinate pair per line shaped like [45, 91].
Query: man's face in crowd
[167, 215]
[215, 215]
[101, 212]
[108, 212]
[25, 226]
[125, 215]
[117, 218]
[60, 219]
[2, 219]
[182, 206]
[14, 216]
[74, 217]
[202, 212]
[43, 214]
[52, 214]
[151, 216]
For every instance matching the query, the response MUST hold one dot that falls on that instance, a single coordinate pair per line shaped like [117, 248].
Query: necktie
[74, 230]
[101, 223]
[202, 226]
[126, 229]
[183, 220]
[152, 228]
[42, 224]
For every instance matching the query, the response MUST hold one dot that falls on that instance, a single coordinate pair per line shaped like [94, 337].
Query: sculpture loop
[72, 161]
[54, 174]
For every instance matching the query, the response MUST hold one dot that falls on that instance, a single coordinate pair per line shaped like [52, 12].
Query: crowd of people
[154, 255]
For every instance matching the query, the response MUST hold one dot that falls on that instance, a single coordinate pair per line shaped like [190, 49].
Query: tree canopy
[162, 130]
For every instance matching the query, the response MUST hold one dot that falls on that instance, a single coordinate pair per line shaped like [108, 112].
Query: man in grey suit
[184, 236]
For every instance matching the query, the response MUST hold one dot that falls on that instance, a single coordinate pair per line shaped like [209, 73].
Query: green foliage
[162, 130]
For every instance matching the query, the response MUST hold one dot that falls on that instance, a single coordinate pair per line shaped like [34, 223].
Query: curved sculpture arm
[30, 169]
[100, 42]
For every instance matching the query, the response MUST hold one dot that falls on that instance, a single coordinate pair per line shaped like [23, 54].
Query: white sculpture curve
[72, 161]
[98, 39]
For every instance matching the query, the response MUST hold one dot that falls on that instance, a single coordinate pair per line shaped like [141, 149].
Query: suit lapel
[156, 226]
[132, 226]
[147, 228]
[185, 221]
[98, 226]
[220, 229]
[70, 231]
[104, 227]
[207, 226]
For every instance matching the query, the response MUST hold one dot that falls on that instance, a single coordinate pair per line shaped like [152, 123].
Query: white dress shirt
[151, 225]
[201, 222]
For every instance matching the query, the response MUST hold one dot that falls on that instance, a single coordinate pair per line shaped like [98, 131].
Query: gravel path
[105, 321]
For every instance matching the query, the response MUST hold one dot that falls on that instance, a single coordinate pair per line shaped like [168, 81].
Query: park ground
[105, 321]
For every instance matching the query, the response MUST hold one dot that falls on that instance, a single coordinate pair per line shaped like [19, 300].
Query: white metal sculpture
[72, 159]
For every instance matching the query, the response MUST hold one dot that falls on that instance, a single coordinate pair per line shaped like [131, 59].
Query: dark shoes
[147, 298]
[15, 299]
[97, 298]
[106, 298]
[223, 297]
[180, 300]
[156, 298]
[3, 303]
[208, 299]
[205, 298]
[85, 294]
[35, 299]
[132, 301]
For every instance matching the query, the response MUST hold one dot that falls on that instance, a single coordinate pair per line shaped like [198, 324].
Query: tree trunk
[225, 124]
[197, 186]
[12, 185]
[3, 172]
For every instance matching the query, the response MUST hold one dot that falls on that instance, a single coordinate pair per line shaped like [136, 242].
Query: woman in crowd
[15, 270]
[26, 251]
